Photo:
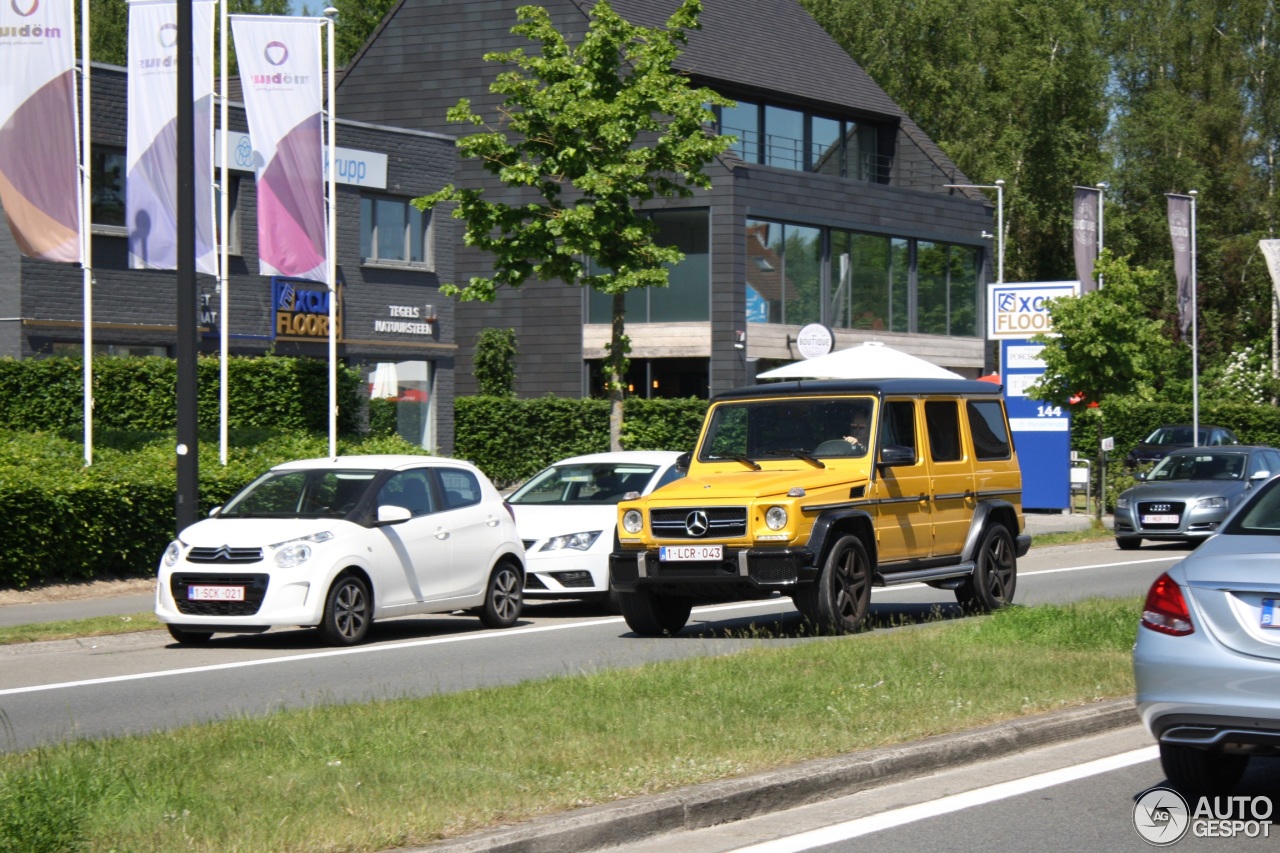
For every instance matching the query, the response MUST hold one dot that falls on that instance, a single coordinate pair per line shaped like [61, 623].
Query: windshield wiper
[736, 458]
[800, 454]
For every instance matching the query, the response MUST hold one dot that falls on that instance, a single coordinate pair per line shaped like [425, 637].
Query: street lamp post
[998, 186]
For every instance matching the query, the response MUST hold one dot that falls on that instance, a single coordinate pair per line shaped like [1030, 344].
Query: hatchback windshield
[603, 482]
[779, 429]
[326, 493]
[1199, 466]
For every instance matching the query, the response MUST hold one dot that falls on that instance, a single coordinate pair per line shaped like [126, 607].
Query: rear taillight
[1166, 610]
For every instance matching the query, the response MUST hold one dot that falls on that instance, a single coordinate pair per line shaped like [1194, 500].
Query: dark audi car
[1190, 492]
[1166, 439]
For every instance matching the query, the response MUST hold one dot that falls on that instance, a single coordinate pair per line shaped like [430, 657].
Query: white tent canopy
[869, 360]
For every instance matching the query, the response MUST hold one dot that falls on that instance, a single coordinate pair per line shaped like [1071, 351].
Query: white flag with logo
[151, 188]
[281, 76]
[39, 163]
[1271, 251]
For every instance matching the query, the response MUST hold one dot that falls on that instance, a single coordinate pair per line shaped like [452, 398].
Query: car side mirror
[896, 454]
[683, 460]
[213, 513]
[1260, 475]
[1140, 476]
[392, 514]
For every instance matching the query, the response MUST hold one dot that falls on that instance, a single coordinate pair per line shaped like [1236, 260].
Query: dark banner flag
[1084, 227]
[1180, 232]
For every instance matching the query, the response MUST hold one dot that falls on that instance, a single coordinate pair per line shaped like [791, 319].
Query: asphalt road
[141, 682]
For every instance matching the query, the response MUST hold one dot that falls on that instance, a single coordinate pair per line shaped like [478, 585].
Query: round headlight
[632, 521]
[172, 553]
[776, 517]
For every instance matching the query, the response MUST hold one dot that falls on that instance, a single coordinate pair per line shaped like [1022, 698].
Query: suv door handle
[442, 533]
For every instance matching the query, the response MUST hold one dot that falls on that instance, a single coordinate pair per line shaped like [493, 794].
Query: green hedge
[65, 521]
[141, 394]
[511, 439]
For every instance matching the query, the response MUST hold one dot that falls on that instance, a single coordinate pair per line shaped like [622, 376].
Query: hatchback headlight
[576, 541]
[632, 521]
[1122, 503]
[295, 552]
[172, 553]
[1211, 503]
[776, 517]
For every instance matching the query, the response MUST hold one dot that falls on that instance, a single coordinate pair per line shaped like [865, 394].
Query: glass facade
[687, 296]
[871, 281]
[805, 142]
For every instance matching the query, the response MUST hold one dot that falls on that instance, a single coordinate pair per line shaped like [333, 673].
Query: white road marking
[434, 641]
[910, 814]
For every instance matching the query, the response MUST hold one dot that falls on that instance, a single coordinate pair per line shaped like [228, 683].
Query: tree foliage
[1103, 343]
[495, 362]
[589, 133]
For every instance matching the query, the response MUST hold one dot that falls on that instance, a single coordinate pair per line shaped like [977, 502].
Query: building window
[393, 231]
[784, 266]
[107, 174]
[76, 348]
[232, 199]
[805, 142]
[687, 296]
[860, 281]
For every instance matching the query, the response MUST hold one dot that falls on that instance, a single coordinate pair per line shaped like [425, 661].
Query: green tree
[495, 362]
[593, 131]
[1103, 343]
[356, 21]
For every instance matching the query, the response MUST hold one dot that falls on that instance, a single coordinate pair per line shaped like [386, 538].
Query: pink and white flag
[39, 164]
[281, 76]
[151, 183]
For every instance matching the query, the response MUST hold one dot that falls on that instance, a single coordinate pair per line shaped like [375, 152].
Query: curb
[729, 800]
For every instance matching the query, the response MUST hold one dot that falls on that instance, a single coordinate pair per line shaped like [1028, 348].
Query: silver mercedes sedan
[1207, 658]
[1189, 493]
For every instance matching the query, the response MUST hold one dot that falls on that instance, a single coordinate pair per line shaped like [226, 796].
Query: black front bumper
[752, 569]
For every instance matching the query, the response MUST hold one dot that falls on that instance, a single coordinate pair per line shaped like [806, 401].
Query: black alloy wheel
[652, 615]
[995, 573]
[838, 601]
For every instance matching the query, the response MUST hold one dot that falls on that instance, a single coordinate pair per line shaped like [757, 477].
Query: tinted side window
[899, 426]
[986, 423]
[942, 419]
[461, 488]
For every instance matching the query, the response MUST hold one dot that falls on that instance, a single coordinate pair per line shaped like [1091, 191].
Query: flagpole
[224, 282]
[1195, 331]
[1102, 187]
[332, 273]
[86, 230]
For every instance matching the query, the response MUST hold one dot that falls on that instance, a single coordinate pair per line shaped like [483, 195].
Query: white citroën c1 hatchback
[338, 543]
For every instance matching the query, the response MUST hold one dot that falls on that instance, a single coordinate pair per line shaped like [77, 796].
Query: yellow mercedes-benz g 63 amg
[821, 490]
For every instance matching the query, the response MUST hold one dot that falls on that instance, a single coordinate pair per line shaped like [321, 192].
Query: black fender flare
[828, 522]
[981, 514]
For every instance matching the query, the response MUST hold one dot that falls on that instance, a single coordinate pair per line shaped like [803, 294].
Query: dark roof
[829, 387]
[772, 46]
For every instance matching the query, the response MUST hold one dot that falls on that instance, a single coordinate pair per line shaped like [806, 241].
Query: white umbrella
[384, 383]
[869, 360]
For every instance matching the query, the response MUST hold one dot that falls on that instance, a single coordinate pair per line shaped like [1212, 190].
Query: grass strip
[410, 771]
[98, 626]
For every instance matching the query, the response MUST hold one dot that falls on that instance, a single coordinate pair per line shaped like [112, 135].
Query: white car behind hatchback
[339, 543]
[567, 514]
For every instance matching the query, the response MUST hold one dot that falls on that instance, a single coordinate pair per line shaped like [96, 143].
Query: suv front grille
[255, 589]
[723, 522]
